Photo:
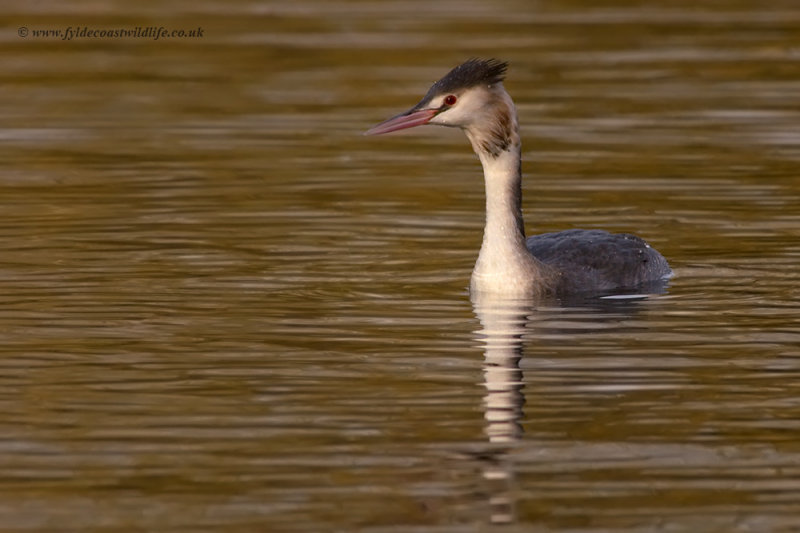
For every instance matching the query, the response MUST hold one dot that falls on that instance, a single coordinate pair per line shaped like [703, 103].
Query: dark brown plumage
[468, 74]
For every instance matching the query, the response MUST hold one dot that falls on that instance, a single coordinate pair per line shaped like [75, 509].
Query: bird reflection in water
[503, 324]
[506, 325]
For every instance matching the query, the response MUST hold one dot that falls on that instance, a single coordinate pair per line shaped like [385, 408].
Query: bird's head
[470, 97]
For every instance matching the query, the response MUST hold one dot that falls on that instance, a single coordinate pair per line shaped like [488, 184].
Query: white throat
[504, 264]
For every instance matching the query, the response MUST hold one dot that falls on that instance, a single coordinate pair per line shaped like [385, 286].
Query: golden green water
[224, 309]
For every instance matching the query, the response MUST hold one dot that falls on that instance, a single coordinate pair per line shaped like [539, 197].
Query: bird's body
[598, 259]
[472, 98]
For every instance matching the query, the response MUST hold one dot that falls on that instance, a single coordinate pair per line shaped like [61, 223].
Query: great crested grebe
[472, 97]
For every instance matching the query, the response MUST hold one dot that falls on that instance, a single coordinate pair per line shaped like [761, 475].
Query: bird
[576, 261]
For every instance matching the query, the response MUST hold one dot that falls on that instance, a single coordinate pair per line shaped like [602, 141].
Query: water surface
[226, 310]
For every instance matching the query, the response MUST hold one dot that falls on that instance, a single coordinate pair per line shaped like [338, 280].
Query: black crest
[468, 74]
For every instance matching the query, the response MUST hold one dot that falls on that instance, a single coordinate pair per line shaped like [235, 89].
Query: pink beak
[402, 121]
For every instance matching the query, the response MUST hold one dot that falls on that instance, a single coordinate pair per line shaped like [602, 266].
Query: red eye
[450, 99]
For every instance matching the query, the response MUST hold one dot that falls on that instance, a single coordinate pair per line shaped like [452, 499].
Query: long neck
[504, 264]
[505, 229]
